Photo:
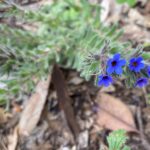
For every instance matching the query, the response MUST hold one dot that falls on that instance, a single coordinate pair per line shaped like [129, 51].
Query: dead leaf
[13, 140]
[138, 18]
[64, 100]
[113, 114]
[135, 33]
[32, 112]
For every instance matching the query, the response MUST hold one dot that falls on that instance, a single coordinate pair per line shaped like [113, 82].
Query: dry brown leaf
[32, 111]
[13, 140]
[64, 100]
[113, 114]
[138, 18]
[135, 34]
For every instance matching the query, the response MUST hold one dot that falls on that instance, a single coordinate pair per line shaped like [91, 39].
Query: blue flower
[148, 71]
[104, 80]
[136, 64]
[115, 64]
[141, 82]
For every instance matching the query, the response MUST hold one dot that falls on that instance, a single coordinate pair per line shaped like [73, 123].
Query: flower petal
[132, 60]
[109, 62]
[118, 70]
[141, 82]
[107, 83]
[122, 62]
[100, 77]
[110, 69]
[135, 64]
[141, 66]
[131, 67]
[100, 83]
[104, 80]
[148, 70]
[116, 56]
[110, 79]
[139, 59]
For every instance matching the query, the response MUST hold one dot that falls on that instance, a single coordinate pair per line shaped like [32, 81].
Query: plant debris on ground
[55, 108]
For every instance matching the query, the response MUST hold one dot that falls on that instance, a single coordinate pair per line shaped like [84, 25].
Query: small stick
[140, 123]
[145, 95]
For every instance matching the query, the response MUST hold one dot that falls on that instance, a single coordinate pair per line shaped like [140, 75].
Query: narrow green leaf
[131, 2]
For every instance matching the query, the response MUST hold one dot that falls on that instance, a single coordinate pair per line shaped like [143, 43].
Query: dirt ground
[60, 125]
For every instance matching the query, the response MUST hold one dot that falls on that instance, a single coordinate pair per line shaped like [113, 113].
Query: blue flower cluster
[115, 65]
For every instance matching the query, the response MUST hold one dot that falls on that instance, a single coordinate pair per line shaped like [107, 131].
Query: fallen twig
[145, 143]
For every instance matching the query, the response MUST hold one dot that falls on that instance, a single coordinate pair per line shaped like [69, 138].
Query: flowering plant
[71, 34]
[134, 69]
[135, 66]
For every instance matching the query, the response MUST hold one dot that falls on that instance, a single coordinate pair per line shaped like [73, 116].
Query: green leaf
[2, 91]
[117, 139]
[126, 148]
[131, 2]
[146, 55]
[3, 101]
[121, 1]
